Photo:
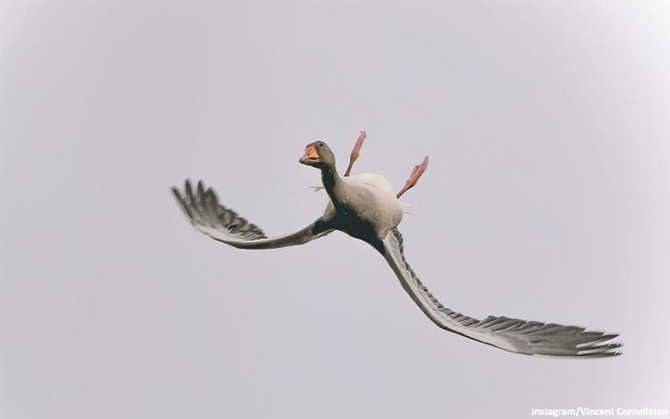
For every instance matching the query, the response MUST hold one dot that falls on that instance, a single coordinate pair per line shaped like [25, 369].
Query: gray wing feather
[202, 208]
[519, 336]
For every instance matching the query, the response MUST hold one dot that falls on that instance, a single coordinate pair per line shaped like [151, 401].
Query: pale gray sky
[547, 198]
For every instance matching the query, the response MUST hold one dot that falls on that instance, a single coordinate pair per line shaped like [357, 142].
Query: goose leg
[355, 152]
[414, 176]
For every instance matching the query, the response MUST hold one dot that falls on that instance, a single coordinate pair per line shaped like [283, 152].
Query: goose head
[319, 155]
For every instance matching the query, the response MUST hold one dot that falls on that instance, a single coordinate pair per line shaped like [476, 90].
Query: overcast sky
[547, 198]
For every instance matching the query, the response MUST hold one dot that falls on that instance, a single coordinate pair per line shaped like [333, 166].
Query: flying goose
[365, 207]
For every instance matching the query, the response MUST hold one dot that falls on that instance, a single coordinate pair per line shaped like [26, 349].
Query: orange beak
[310, 156]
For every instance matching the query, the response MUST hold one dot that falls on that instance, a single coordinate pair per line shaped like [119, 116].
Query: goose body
[365, 202]
[365, 207]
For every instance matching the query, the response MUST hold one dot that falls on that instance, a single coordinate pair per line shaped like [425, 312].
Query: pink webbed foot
[414, 176]
[355, 152]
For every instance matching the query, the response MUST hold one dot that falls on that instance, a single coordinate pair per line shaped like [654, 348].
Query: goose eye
[320, 144]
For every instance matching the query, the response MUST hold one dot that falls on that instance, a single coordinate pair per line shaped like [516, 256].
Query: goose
[366, 208]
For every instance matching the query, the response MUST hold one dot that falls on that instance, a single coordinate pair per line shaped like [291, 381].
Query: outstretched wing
[520, 336]
[201, 207]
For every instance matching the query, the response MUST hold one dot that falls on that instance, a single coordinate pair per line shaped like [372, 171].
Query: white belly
[386, 210]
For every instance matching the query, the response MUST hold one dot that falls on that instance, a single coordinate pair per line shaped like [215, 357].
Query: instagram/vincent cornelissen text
[587, 411]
